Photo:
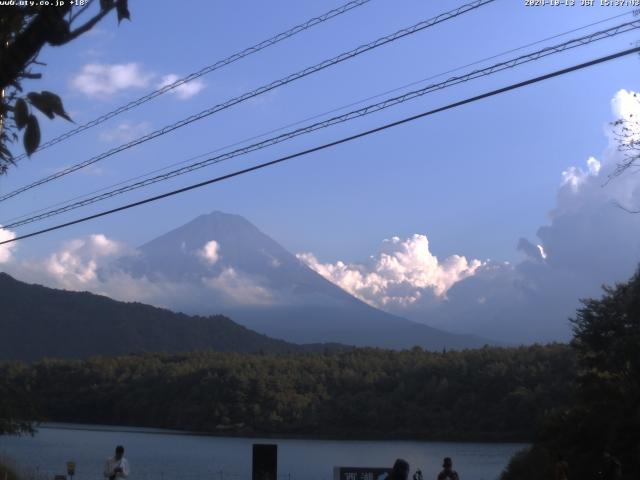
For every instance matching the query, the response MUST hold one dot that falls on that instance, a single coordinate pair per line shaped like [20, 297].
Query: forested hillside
[38, 322]
[489, 393]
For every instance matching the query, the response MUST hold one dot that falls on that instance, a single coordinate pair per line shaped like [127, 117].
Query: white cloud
[97, 79]
[531, 251]
[240, 288]
[210, 252]
[184, 91]
[75, 266]
[543, 254]
[6, 250]
[86, 264]
[575, 176]
[624, 104]
[125, 132]
[402, 274]
[587, 242]
[91, 264]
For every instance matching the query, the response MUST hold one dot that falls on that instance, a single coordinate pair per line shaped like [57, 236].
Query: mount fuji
[225, 265]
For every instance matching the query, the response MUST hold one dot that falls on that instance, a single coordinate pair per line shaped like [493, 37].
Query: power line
[260, 166]
[204, 71]
[313, 117]
[574, 43]
[266, 88]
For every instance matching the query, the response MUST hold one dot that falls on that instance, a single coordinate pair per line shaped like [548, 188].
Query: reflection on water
[164, 455]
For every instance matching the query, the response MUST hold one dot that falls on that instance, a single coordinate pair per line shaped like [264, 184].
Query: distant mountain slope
[37, 322]
[275, 293]
[177, 257]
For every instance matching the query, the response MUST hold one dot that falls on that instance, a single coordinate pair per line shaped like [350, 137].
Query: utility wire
[260, 166]
[376, 107]
[204, 71]
[319, 115]
[266, 88]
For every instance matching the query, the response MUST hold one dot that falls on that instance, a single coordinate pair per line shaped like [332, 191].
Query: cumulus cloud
[403, 273]
[624, 104]
[531, 251]
[6, 250]
[125, 132]
[210, 253]
[184, 91]
[76, 264]
[576, 176]
[97, 79]
[587, 242]
[92, 264]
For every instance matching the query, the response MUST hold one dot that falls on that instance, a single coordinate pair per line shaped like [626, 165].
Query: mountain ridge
[39, 322]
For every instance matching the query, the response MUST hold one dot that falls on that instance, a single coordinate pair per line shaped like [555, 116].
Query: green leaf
[38, 101]
[32, 76]
[31, 137]
[55, 102]
[48, 103]
[20, 113]
[122, 7]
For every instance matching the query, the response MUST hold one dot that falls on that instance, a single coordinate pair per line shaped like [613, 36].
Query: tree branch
[81, 11]
[87, 26]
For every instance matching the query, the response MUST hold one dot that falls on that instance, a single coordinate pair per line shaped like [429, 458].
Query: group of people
[117, 468]
[401, 469]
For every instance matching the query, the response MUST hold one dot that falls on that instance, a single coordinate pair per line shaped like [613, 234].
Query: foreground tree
[603, 421]
[17, 410]
[627, 133]
[24, 31]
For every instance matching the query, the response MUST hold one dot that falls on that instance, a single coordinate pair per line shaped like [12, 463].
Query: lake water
[168, 455]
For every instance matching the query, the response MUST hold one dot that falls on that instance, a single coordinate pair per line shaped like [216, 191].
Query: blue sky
[474, 179]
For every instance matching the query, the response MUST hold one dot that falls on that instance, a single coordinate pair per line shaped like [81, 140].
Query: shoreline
[282, 436]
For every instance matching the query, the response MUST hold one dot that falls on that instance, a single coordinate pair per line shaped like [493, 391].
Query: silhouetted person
[448, 473]
[561, 469]
[117, 466]
[400, 470]
[611, 467]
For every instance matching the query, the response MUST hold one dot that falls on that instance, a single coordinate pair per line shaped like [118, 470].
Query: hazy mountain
[38, 322]
[233, 268]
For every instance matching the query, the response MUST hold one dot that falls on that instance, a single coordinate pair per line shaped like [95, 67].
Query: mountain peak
[223, 228]
[228, 251]
[220, 216]
[224, 264]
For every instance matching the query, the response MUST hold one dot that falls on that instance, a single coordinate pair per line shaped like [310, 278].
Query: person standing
[611, 467]
[400, 470]
[116, 467]
[562, 469]
[448, 473]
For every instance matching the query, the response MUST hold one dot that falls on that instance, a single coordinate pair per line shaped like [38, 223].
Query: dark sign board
[265, 462]
[360, 473]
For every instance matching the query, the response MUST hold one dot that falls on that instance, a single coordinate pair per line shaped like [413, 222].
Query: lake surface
[167, 455]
